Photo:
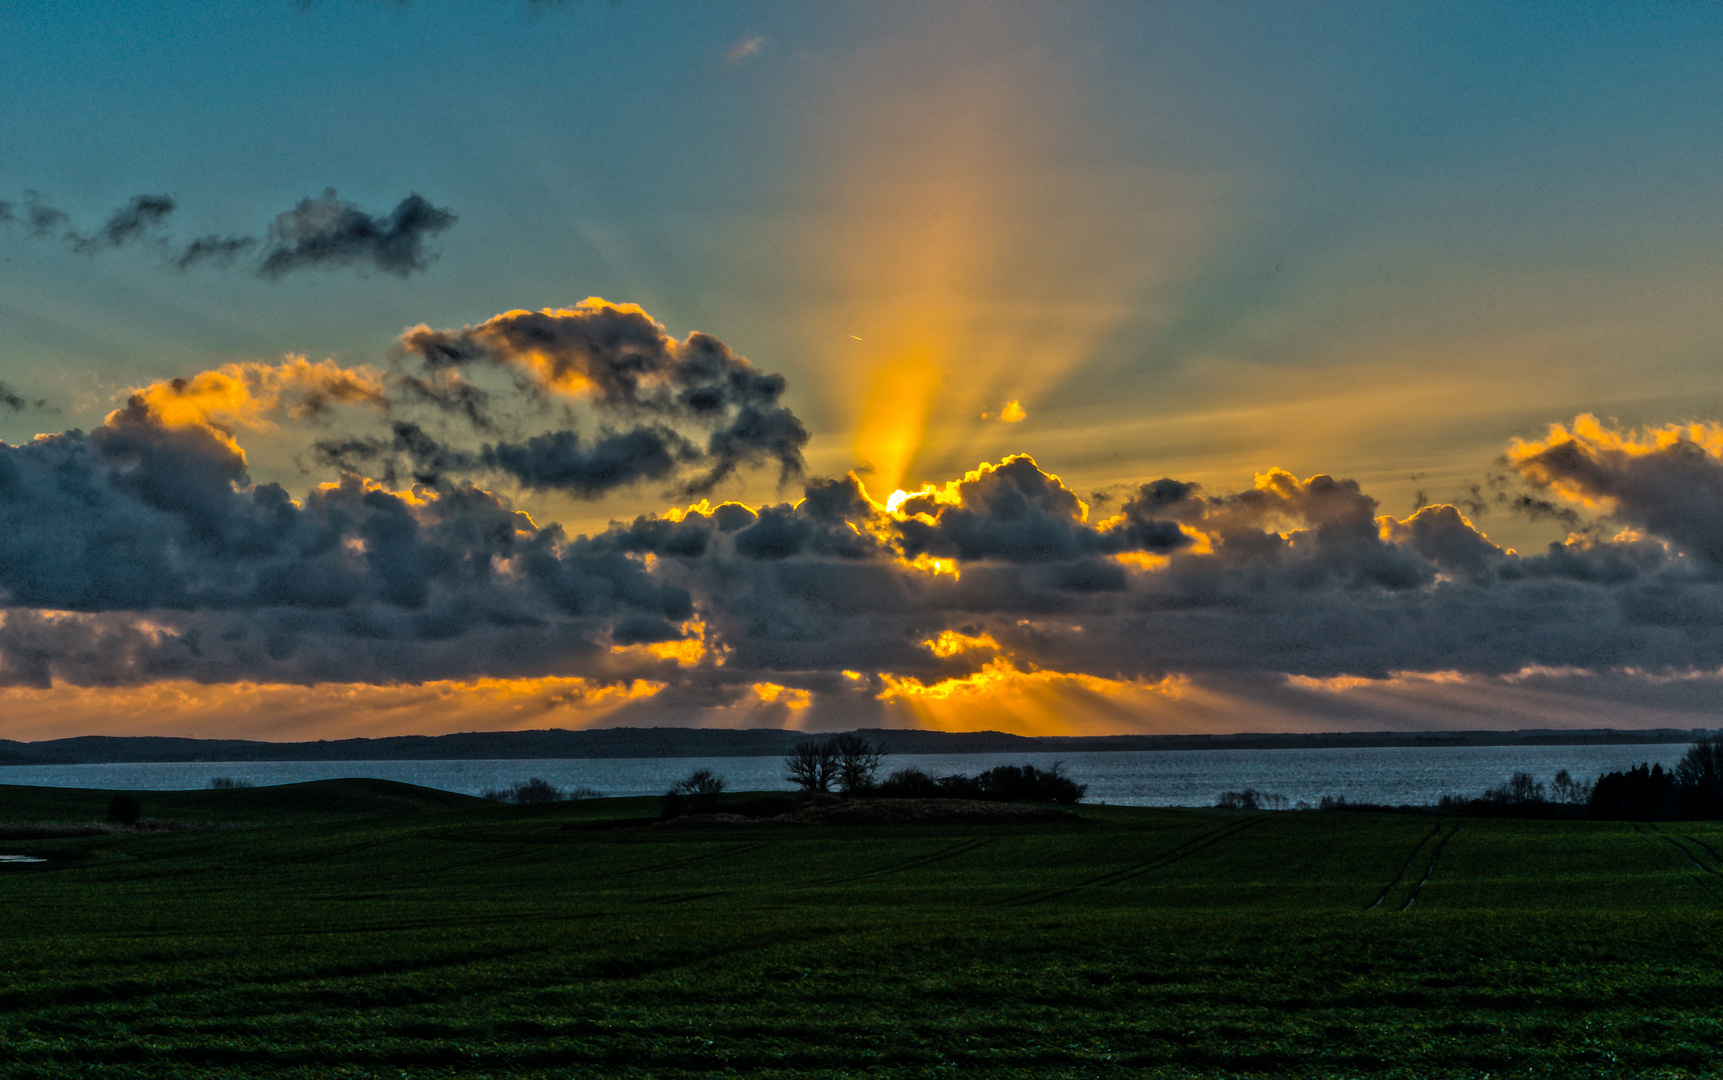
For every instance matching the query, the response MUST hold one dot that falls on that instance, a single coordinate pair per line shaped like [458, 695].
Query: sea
[1388, 775]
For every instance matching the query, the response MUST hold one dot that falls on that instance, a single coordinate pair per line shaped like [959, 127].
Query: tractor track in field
[1154, 862]
[1411, 857]
[1430, 871]
[1709, 850]
[963, 847]
[1692, 858]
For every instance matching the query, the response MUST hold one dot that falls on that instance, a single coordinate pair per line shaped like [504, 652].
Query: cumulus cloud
[696, 411]
[143, 550]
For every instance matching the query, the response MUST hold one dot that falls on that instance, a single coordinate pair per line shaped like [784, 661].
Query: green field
[363, 928]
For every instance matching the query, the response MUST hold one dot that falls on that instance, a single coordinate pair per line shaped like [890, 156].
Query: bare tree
[857, 762]
[812, 765]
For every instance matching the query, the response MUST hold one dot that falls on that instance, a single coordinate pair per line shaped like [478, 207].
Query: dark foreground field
[362, 928]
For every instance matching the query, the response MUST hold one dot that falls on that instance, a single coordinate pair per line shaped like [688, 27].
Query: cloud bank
[141, 552]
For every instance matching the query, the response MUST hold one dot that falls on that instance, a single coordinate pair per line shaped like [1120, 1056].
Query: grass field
[370, 929]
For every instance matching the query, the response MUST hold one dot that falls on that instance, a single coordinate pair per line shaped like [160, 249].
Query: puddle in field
[19, 859]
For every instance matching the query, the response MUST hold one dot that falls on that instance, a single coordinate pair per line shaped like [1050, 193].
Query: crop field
[369, 929]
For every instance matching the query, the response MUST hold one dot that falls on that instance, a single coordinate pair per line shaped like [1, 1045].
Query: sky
[374, 368]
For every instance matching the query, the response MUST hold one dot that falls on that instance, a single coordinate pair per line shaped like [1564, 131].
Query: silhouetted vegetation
[1250, 799]
[847, 762]
[1691, 791]
[697, 792]
[1005, 783]
[811, 765]
[125, 809]
[229, 783]
[538, 790]
[1635, 795]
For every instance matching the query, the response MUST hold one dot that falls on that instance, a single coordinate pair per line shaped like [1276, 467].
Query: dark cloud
[560, 461]
[216, 249]
[698, 413]
[142, 550]
[130, 222]
[42, 219]
[323, 232]
[12, 399]
[328, 231]
[1670, 487]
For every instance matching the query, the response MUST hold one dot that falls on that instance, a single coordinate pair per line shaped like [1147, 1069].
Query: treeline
[850, 764]
[1691, 791]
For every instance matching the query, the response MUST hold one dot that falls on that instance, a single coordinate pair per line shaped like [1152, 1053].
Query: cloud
[324, 232]
[697, 412]
[129, 223]
[1667, 481]
[143, 551]
[220, 250]
[12, 399]
[744, 49]
[327, 231]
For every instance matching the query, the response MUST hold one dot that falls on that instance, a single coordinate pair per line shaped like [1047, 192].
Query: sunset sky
[377, 368]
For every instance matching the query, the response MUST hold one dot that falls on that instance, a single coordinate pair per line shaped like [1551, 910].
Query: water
[1393, 775]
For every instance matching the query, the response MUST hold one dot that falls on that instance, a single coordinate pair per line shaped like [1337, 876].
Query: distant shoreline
[763, 742]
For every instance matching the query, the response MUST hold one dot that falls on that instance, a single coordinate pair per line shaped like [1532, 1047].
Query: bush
[1252, 799]
[701, 787]
[1519, 790]
[1006, 783]
[125, 809]
[228, 783]
[910, 784]
[537, 790]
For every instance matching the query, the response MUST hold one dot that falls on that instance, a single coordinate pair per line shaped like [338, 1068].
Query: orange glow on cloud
[792, 698]
[242, 395]
[1004, 697]
[1594, 437]
[327, 711]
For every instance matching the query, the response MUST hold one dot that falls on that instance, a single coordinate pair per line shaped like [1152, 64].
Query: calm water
[1137, 778]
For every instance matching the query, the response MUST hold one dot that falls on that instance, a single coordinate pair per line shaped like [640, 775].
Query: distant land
[759, 742]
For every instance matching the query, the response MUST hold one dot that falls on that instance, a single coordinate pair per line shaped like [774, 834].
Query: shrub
[701, 786]
[538, 790]
[1008, 783]
[1519, 790]
[125, 809]
[1252, 799]
[910, 784]
[229, 783]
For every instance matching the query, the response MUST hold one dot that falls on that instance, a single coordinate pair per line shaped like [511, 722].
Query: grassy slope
[363, 928]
